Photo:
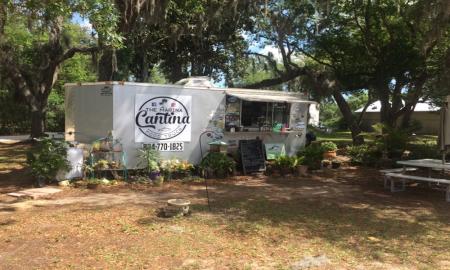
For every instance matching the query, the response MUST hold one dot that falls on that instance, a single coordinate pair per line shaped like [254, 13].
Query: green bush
[424, 150]
[46, 158]
[365, 154]
[312, 156]
[286, 162]
[218, 164]
[149, 159]
[328, 146]
[393, 141]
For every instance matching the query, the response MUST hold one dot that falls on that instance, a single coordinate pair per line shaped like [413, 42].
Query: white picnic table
[390, 175]
[425, 163]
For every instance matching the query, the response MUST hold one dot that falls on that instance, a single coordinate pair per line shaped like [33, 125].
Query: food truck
[180, 120]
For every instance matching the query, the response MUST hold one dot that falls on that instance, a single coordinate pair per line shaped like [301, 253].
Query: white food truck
[174, 118]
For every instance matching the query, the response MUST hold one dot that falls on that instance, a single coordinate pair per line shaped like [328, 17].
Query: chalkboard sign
[252, 156]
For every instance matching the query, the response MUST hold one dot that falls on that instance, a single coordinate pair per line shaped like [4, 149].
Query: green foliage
[365, 154]
[328, 146]
[312, 155]
[176, 166]
[392, 140]
[149, 159]
[218, 163]
[286, 162]
[48, 157]
[14, 115]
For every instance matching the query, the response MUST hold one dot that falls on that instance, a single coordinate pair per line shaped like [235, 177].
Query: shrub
[286, 162]
[364, 154]
[218, 164]
[171, 166]
[328, 146]
[425, 149]
[393, 141]
[312, 156]
[149, 159]
[46, 158]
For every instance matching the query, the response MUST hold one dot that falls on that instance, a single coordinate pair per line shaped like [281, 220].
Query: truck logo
[162, 118]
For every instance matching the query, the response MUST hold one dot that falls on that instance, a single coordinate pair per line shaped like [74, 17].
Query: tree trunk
[37, 122]
[106, 66]
[349, 118]
[385, 110]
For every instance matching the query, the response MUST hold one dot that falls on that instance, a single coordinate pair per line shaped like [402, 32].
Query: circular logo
[162, 118]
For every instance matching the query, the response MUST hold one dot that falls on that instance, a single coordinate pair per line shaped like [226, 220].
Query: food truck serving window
[243, 115]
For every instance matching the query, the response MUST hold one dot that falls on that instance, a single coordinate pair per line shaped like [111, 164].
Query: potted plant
[149, 160]
[46, 159]
[102, 164]
[335, 164]
[217, 164]
[93, 183]
[326, 163]
[286, 164]
[301, 168]
[329, 150]
[312, 156]
[159, 180]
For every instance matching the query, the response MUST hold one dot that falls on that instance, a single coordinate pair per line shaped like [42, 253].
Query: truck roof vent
[200, 81]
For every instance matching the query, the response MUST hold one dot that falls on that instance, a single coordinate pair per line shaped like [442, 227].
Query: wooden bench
[390, 177]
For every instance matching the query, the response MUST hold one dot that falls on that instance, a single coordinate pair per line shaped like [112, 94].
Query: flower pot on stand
[329, 155]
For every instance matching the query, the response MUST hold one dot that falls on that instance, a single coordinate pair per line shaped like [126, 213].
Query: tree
[388, 48]
[196, 37]
[34, 43]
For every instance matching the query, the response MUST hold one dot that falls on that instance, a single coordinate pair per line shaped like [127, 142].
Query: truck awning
[267, 96]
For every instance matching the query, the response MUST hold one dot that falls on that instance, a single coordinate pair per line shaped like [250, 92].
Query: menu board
[252, 156]
[232, 114]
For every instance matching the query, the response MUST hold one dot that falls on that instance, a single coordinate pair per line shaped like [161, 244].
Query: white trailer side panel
[205, 103]
[89, 112]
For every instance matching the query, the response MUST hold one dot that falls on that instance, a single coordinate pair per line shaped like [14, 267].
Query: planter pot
[79, 184]
[275, 172]
[329, 155]
[302, 170]
[92, 185]
[285, 171]
[335, 165]
[105, 146]
[159, 181]
[154, 175]
[326, 163]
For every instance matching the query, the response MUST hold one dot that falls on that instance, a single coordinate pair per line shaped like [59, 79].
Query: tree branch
[72, 51]
[271, 61]
[285, 77]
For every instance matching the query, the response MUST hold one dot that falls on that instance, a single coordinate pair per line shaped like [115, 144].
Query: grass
[343, 138]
